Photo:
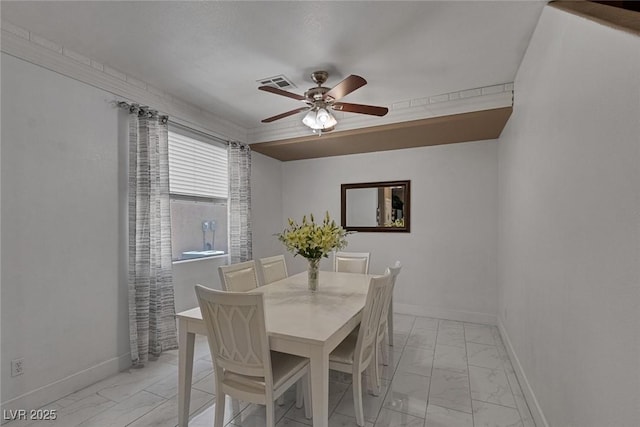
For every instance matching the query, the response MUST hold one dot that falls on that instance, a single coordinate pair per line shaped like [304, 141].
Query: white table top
[293, 311]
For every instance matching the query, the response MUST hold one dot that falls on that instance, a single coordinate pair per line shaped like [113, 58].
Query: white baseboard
[444, 313]
[39, 397]
[530, 397]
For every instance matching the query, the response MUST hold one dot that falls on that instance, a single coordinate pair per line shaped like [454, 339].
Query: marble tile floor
[441, 373]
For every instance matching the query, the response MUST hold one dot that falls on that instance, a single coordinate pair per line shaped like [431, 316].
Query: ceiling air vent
[281, 82]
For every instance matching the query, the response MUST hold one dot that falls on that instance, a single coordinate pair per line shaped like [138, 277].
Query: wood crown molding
[464, 101]
[614, 17]
[465, 127]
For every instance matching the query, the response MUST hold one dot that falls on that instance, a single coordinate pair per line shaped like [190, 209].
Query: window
[198, 187]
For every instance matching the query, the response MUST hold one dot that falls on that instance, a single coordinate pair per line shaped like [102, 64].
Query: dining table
[298, 321]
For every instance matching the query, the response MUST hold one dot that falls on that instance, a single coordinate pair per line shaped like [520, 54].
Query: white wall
[266, 205]
[64, 280]
[63, 300]
[569, 267]
[449, 257]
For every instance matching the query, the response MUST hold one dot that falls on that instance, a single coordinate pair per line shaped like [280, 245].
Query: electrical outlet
[17, 367]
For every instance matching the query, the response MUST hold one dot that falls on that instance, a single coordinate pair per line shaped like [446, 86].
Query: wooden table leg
[186, 343]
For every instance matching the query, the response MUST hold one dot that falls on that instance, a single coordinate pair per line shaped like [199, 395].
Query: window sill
[186, 261]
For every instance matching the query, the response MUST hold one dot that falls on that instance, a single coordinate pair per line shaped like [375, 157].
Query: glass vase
[313, 273]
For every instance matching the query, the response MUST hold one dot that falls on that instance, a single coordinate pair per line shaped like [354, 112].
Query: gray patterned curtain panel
[240, 240]
[152, 325]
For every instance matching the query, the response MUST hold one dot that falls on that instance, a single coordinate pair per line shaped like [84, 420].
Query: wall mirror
[376, 206]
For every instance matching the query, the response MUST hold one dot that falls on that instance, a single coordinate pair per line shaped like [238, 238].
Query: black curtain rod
[125, 104]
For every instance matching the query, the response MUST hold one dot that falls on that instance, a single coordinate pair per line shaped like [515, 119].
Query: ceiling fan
[321, 99]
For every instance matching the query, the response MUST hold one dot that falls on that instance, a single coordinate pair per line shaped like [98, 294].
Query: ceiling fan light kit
[320, 100]
[320, 120]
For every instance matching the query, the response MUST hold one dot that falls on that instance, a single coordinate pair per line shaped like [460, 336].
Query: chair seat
[343, 353]
[284, 366]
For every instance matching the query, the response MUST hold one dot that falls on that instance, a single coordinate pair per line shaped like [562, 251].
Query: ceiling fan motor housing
[316, 93]
[319, 77]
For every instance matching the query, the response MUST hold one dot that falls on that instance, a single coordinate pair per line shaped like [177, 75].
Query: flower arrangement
[313, 241]
[397, 223]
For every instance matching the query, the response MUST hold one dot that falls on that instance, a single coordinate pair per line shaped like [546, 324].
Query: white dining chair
[240, 277]
[243, 277]
[385, 332]
[357, 351]
[245, 367]
[273, 268]
[395, 270]
[351, 262]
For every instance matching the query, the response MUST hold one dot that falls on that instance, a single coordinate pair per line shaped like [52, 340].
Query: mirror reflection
[376, 206]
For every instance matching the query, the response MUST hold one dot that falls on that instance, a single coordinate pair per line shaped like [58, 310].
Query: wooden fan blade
[360, 108]
[282, 92]
[283, 115]
[345, 87]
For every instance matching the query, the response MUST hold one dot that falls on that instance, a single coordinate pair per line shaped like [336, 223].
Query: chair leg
[271, 415]
[390, 323]
[219, 417]
[306, 388]
[299, 394]
[357, 398]
[384, 349]
[373, 384]
[375, 389]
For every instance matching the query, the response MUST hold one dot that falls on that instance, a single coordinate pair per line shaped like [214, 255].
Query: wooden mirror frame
[380, 228]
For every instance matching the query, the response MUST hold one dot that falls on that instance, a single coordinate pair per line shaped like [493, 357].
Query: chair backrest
[241, 277]
[273, 269]
[393, 271]
[378, 296]
[236, 332]
[351, 262]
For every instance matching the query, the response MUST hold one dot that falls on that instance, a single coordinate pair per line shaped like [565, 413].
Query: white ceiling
[210, 54]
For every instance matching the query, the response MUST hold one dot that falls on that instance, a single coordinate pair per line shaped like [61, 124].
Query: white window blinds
[197, 168]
